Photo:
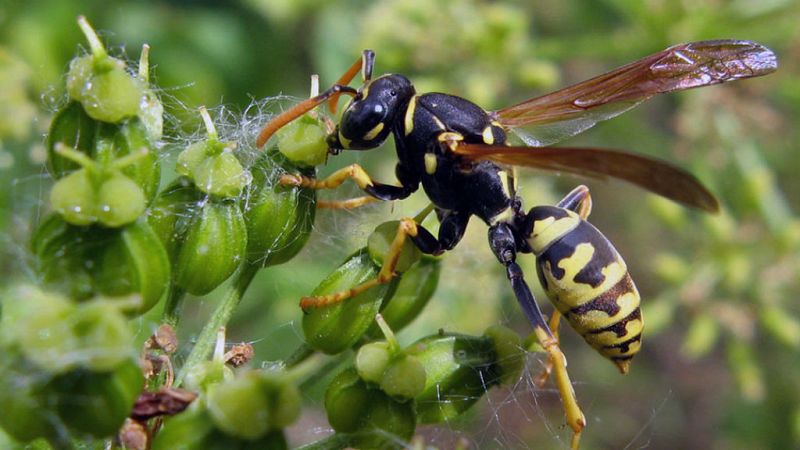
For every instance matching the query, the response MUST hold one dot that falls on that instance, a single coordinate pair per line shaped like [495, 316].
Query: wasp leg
[450, 233]
[350, 203]
[544, 375]
[502, 242]
[356, 173]
[407, 228]
[578, 200]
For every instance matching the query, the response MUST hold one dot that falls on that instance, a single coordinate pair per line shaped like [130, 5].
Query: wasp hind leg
[501, 239]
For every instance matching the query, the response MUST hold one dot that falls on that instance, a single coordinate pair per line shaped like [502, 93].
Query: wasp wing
[655, 175]
[564, 113]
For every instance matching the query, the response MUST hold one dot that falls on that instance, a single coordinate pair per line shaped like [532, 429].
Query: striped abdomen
[588, 282]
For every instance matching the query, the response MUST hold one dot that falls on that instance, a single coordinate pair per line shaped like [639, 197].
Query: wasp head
[368, 119]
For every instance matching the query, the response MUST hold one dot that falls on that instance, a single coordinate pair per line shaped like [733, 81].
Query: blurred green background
[721, 361]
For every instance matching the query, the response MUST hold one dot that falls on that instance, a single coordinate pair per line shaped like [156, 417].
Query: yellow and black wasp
[460, 155]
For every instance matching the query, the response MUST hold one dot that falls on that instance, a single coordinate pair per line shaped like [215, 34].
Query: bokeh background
[721, 361]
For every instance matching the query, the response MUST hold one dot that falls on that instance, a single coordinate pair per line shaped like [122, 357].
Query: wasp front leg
[376, 190]
[503, 244]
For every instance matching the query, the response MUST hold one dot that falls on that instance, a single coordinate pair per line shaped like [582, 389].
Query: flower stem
[173, 306]
[208, 336]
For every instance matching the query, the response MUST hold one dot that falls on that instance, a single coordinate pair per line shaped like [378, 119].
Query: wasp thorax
[547, 225]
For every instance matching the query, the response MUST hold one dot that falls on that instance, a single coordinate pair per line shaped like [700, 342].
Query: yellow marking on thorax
[439, 123]
[373, 133]
[430, 163]
[506, 216]
[408, 122]
[571, 293]
[548, 230]
[504, 182]
[488, 136]
[451, 138]
[343, 140]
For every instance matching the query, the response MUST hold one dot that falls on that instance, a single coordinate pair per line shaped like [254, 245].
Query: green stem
[98, 50]
[300, 354]
[334, 441]
[208, 336]
[173, 306]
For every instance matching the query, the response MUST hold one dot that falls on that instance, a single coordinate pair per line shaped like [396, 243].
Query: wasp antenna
[367, 63]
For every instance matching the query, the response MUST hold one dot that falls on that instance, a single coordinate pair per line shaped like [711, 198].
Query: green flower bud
[74, 197]
[105, 89]
[303, 142]
[190, 158]
[98, 192]
[119, 201]
[279, 218]
[414, 289]
[111, 95]
[347, 400]
[285, 398]
[189, 430]
[404, 378]
[194, 429]
[372, 360]
[97, 403]
[59, 249]
[80, 73]
[239, 407]
[333, 329]
[103, 340]
[221, 175]
[211, 165]
[130, 138]
[381, 239]
[374, 418]
[510, 352]
[253, 403]
[115, 262]
[214, 247]
[72, 127]
[203, 376]
[39, 324]
[459, 369]
[25, 401]
[172, 212]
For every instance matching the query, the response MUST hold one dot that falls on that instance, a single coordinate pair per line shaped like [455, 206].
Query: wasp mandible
[460, 155]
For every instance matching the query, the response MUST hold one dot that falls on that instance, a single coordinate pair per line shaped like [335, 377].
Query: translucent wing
[652, 174]
[564, 113]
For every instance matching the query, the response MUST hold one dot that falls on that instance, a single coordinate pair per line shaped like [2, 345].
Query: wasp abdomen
[588, 282]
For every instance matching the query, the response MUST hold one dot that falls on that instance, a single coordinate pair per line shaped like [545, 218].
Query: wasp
[461, 156]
